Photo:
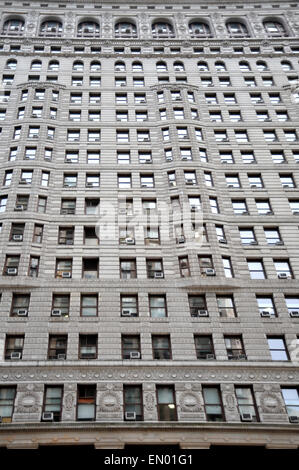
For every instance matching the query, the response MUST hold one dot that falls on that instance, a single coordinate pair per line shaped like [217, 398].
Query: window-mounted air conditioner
[246, 417]
[56, 312]
[61, 356]
[181, 239]
[158, 275]
[17, 238]
[282, 275]
[130, 241]
[130, 416]
[265, 313]
[22, 312]
[66, 274]
[202, 313]
[210, 356]
[222, 240]
[210, 272]
[294, 313]
[15, 355]
[47, 416]
[126, 313]
[294, 419]
[11, 271]
[135, 355]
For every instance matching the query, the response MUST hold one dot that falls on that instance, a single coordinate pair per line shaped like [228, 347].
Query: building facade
[149, 223]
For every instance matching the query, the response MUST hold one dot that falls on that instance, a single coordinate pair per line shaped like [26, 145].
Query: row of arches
[160, 29]
[161, 66]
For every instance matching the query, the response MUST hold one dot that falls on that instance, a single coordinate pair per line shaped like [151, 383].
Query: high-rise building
[149, 223]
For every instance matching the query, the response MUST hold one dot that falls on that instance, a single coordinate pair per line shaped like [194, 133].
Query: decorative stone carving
[69, 401]
[189, 402]
[230, 402]
[270, 403]
[28, 402]
[149, 401]
[109, 402]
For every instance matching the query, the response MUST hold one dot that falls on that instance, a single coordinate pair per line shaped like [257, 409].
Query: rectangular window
[88, 347]
[63, 268]
[234, 347]
[7, 401]
[60, 305]
[226, 306]
[278, 348]
[204, 347]
[157, 306]
[133, 406]
[89, 305]
[154, 268]
[129, 305]
[166, 403]
[291, 400]
[256, 269]
[57, 347]
[86, 402]
[197, 305]
[266, 305]
[128, 269]
[131, 347]
[20, 305]
[161, 347]
[213, 403]
[90, 268]
[246, 403]
[14, 347]
[53, 396]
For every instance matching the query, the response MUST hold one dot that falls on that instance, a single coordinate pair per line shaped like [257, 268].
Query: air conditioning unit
[294, 419]
[230, 186]
[287, 186]
[222, 240]
[11, 271]
[61, 356]
[147, 161]
[191, 182]
[56, 312]
[19, 207]
[69, 241]
[282, 276]
[126, 313]
[17, 238]
[202, 313]
[130, 241]
[210, 356]
[47, 416]
[194, 208]
[279, 242]
[295, 212]
[294, 313]
[240, 357]
[23, 181]
[22, 312]
[15, 355]
[34, 136]
[265, 313]
[130, 416]
[66, 274]
[253, 242]
[246, 417]
[158, 275]
[210, 272]
[184, 158]
[135, 355]
[181, 239]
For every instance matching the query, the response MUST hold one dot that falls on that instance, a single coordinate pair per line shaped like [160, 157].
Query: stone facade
[159, 72]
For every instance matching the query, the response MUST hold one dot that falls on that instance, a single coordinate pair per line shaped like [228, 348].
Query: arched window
[137, 67]
[88, 29]
[11, 64]
[120, 67]
[220, 66]
[274, 29]
[36, 65]
[199, 30]
[286, 65]
[53, 65]
[51, 28]
[178, 66]
[236, 29]
[78, 66]
[125, 30]
[13, 27]
[244, 66]
[161, 66]
[162, 30]
[95, 66]
[202, 66]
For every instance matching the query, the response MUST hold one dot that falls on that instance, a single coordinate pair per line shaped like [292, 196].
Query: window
[246, 402]
[11, 265]
[73, 135]
[14, 347]
[88, 347]
[45, 178]
[57, 347]
[63, 268]
[234, 347]
[86, 402]
[60, 305]
[20, 305]
[255, 181]
[226, 306]
[247, 236]
[7, 401]
[256, 269]
[70, 180]
[204, 347]
[128, 269]
[199, 30]
[273, 236]
[274, 29]
[93, 135]
[277, 348]
[89, 305]
[166, 403]
[131, 347]
[66, 235]
[226, 156]
[154, 268]
[214, 205]
[90, 268]
[52, 403]
[92, 180]
[184, 266]
[263, 206]
[213, 403]
[241, 136]
[266, 305]
[125, 30]
[157, 306]
[283, 268]
[197, 303]
[237, 29]
[227, 266]
[162, 30]
[161, 347]
[206, 265]
[291, 400]
[133, 405]
[147, 181]
[232, 181]
[41, 204]
[290, 135]
[220, 136]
